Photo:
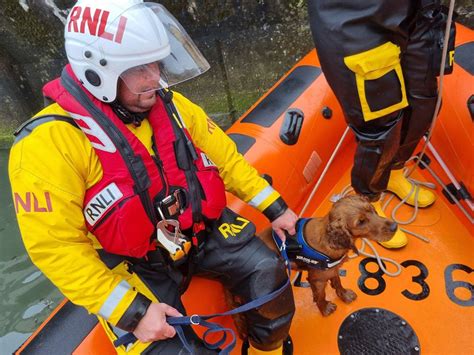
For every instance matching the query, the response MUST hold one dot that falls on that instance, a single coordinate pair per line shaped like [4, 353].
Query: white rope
[415, 188]
[381, 260]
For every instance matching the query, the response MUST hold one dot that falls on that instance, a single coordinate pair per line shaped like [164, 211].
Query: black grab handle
[291, 127]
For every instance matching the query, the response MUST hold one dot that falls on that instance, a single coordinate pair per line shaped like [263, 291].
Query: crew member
[120, 163]
[381, 59]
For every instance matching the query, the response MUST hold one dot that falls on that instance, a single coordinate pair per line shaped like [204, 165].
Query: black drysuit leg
[249, 269]
[345, 28]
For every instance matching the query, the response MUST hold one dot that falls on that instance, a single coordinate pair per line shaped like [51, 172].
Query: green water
[27, 296]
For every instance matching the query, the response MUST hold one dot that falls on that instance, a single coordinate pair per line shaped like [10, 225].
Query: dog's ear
[338, 234]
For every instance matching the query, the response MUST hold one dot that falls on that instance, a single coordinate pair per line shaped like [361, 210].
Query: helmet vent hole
[87, 54]
[92, 77]
[105, 98]
[103, 62]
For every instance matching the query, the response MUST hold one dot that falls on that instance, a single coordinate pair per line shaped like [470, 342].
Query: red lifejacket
[120, 210]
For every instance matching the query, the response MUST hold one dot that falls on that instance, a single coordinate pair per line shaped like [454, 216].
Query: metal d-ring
[193, 322]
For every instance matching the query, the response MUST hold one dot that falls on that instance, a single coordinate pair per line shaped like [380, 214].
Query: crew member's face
[137, 87]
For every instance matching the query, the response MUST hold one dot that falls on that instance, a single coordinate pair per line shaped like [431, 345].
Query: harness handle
[178, 322]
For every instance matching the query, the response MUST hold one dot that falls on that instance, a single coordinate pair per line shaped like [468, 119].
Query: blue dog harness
[298, 249]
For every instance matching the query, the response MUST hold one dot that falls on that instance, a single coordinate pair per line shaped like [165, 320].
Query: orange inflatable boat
[297, 136]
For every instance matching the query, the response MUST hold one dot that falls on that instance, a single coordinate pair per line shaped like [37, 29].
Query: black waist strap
[153, 259]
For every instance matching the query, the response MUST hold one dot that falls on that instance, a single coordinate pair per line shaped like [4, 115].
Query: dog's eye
[361, 221]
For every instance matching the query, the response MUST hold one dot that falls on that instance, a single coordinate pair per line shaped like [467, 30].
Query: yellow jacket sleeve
[240, 178]
[50, 170]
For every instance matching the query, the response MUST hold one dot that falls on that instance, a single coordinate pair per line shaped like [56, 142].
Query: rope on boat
[445, 188]
[415, 188]
[381, 260]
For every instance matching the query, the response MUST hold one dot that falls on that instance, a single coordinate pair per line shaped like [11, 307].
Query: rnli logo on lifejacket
[95, 22]
[101, 203]
[206, 161]
[96, 135]
[30, 202]
[232, 229]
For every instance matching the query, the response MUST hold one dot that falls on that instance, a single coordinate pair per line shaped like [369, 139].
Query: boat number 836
[450, 284]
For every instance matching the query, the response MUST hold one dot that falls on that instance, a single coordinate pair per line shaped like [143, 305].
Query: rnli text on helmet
[96, 23]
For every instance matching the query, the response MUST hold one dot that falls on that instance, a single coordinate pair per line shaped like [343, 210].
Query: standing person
[119, 162]
[380, 59]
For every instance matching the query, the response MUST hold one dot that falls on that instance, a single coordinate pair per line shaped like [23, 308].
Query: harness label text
[101, 203]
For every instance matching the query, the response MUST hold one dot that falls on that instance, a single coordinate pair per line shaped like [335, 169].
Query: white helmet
[104, 39]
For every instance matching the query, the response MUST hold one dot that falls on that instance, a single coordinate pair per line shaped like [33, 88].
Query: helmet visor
[181, 62]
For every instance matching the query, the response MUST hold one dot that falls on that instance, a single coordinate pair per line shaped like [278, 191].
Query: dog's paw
[347, 295]
[327, 308]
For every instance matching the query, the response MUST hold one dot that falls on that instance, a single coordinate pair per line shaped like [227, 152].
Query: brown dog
[333, 235]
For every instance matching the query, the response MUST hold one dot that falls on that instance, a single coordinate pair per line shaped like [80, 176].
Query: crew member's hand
[286, 222]
[153, 325]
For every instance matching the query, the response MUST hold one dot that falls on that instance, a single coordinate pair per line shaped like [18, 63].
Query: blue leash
[178, 322]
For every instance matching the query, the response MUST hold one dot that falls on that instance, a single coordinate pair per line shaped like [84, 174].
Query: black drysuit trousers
[245, 266]
[344, 28]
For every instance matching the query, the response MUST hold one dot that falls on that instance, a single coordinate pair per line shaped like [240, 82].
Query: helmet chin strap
[127, 116]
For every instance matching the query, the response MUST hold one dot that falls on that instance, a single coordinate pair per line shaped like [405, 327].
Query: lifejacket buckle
[172, 205]
[170, 238]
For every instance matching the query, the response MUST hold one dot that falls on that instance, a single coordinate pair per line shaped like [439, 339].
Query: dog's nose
[393, 227]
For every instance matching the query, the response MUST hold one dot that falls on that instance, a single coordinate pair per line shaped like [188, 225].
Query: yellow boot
[285, 349]
[254, 351]
[399, 239]
[400, 186]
